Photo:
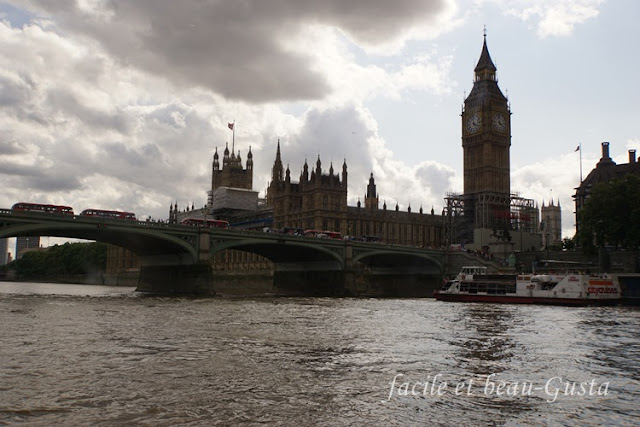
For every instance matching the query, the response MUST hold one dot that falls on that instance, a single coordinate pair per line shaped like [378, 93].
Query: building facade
[25, 244]
[606, 170]
[318, 201]
[121, 260]
[551, 224]
[4, 244]
[232, 174]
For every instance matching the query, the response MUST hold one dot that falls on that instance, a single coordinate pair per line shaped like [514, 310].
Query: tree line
[68, 259]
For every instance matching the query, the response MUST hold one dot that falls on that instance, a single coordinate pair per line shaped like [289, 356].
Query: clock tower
[486, 139]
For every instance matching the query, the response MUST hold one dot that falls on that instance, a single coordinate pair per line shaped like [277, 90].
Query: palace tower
[486, 138]
[487, 213]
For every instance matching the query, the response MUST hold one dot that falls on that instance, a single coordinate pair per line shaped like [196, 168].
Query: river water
[96, 355]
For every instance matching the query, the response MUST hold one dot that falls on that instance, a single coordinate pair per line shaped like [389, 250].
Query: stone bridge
[176, 258]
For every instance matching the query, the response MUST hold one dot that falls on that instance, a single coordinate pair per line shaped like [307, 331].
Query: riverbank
[123, 279]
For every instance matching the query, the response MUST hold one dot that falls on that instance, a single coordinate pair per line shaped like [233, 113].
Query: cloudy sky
[121, 104]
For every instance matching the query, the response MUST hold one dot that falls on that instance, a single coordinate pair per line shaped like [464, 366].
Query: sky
[121, 104]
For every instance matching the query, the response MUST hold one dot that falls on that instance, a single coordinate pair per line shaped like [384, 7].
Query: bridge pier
[309, 279]
[191, 279]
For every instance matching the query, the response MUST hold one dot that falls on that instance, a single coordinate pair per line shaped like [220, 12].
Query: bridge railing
[35, 214]
[166, 225]
[90, 219]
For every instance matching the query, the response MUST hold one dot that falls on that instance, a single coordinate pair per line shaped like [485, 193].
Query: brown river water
[99, 355]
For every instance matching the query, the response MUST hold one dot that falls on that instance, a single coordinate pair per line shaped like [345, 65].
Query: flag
[230, 125]
[577, 148]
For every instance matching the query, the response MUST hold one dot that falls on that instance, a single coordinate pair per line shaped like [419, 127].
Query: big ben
[486, 139]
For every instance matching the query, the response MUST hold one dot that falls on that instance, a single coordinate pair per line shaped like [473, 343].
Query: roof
[607, 170]
[485, 62]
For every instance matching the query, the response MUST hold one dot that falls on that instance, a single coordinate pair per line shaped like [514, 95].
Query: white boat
[557, 289]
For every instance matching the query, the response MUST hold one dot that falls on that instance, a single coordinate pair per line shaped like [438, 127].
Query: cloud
[39, 179]
[556, 18]
[350, 133]
[122, 104]
[132, 98]
[8, 148]
[253, 51]
[549, 180]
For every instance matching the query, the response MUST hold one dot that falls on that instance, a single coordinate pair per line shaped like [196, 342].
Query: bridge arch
[139, 239]
[392, 259]
[285, 250]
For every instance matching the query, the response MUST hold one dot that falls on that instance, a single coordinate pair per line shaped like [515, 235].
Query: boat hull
[514, 299]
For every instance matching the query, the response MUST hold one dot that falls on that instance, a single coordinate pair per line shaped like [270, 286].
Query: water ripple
[113, 357]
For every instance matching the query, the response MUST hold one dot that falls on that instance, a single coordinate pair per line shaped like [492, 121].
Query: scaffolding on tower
[494, 211]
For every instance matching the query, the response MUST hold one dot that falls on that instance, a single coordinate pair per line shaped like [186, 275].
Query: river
[99, 355]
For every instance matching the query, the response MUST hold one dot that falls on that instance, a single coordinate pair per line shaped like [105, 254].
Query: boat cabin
[468, 272]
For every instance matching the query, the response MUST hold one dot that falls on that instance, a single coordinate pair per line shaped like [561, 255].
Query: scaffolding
[458, 224]
[494, 211]
[524, 214]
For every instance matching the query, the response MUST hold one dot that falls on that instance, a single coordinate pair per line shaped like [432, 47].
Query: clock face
[473, 123]
[499, 122]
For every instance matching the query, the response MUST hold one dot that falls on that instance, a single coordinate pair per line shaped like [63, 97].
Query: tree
[611, 215]
[65, 260]
[569, 243]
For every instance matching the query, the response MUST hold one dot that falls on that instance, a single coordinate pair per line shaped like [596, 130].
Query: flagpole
[233, 140]
[580, 147]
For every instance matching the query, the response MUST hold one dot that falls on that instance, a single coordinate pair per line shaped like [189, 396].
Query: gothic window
[325, 202]
[324, 223]
[337, 225]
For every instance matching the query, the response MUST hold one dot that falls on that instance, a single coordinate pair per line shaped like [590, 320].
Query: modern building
[488, 216]
[3, 251]
[606, 170]
[25, 244]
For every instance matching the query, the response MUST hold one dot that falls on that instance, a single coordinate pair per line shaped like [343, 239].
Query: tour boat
[474, 285]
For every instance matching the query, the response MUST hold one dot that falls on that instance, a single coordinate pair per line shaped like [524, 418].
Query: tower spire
[485, 69]
[277, 171]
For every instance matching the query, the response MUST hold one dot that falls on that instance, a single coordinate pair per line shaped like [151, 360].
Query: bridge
[176, 258]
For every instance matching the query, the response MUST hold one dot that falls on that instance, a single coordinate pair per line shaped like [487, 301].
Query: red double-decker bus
[37, 207]
[102, 213]
[206, 223]
[323, 234]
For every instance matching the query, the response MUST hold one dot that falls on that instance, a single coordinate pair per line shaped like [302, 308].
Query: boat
[473, 284]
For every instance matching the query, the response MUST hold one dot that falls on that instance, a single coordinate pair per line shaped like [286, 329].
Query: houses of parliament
[486, 217]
